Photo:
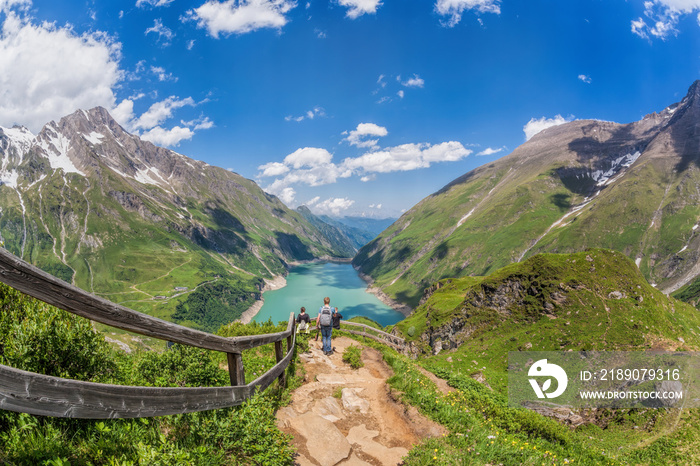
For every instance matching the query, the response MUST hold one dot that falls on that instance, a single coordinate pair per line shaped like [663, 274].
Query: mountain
[143, 225]
[348, 233]
[592, 300]
[373, 226]
[335, 235]
[633, 188]
[360, 230]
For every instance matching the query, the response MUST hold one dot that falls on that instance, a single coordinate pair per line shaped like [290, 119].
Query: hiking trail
[347, 416]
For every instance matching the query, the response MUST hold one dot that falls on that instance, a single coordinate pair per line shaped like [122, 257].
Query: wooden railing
[373, 333]
[52, 396]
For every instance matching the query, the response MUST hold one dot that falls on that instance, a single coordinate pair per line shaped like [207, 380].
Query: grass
[40, 338]
[353, 356]
[516, 219]
[548, 302]
[366, 321]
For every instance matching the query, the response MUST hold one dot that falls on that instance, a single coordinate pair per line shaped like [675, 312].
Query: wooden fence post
[279, 355]
[235, 368]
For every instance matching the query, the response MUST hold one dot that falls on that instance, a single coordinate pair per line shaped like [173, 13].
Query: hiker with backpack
[336, 319]
[324, 321]
[303, 320]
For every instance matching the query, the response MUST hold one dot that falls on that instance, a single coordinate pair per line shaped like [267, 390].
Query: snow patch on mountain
[94, 138]
[9, 178]
[151, 175]
[56, 149]
[602, 177]
[20, 137]
[464, 219]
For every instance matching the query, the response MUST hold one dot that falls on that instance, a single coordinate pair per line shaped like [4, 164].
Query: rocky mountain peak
[694, 90]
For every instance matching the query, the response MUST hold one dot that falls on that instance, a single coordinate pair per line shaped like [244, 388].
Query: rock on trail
[365, 426]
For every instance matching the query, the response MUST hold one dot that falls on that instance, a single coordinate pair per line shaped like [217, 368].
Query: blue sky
[359, 107]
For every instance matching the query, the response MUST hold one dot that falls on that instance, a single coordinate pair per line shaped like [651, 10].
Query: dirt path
[349, 417]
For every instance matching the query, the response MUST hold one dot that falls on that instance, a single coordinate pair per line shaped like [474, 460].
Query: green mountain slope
[591, 300]
[634, 188]
[337, 236]
[142, 225]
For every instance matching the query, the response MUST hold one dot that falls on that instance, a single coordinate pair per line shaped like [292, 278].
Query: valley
[570, 243]
[142, 225]
[630, 187]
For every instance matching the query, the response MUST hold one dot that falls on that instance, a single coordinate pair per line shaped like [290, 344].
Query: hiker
[336, 319]
[303, 320]
[324, 321]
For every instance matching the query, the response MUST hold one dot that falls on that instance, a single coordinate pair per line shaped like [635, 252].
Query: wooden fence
[52, 396]
[381, 336]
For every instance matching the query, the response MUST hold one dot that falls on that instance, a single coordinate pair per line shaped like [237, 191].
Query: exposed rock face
[501, 299]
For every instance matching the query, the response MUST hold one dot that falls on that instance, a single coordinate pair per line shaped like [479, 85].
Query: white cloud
[165, 35]
[375, 206]
[358, 136]
[490, 151]
[309, 115]
[455, 8]
[47, 72]
[639, 28]
[124, 112]
[287, 195]
[161, 111]
[313, 201]
[535, 125]
[584, 78]
[333, 206]
[163, 76]
[400, 94]
[167, 137]
[6, 5]
[200, 123]
[152, 3]
[311, 157]
[240, 16]
[273, 169]
[314, 166]
[311, 166]
[664, 16]
[406, 157]
[190, 44]
[415, 81]
[151, 121]
[358, 8]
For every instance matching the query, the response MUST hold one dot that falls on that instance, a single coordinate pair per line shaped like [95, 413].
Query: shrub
[353, 356]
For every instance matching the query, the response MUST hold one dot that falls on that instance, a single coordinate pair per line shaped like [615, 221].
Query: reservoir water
[308, 284]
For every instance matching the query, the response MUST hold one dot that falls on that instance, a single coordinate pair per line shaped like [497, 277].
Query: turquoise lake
[308, 284]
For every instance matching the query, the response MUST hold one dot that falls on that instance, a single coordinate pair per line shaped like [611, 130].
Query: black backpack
[325, 320]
